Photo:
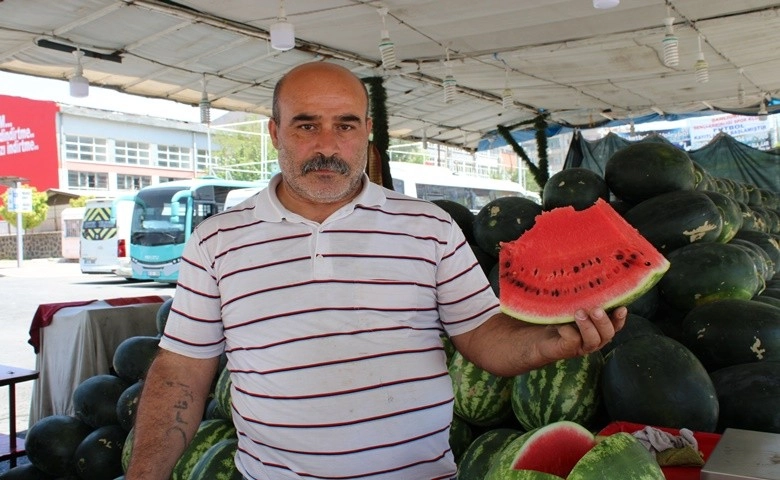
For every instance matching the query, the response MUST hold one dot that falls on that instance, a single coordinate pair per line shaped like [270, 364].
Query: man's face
[322, 135]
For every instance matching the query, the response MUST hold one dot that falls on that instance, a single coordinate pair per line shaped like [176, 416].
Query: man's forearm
[170, 410]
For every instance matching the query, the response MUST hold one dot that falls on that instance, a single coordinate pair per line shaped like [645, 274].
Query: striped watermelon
[476, 460]
[222, 395]
[218, 463]
[461, 436]
[481, 398]
[209, 433]
[567, 389]
[553, 449]
[622, 456]
[127, 449]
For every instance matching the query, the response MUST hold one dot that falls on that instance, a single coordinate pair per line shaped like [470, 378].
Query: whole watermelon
[577, 187]
[99, 455]
[209, 433]
[95, 399]
[645, 169]
[476, 460]
[52, 441]
[656, 380]
[567, 389]
[481, 398]
[503, 220]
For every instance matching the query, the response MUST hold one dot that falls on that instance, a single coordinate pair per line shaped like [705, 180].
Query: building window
[170, 179]
[85, 149]
[202, 160]
[171, 156]
[131, 153]
[87, 180]
[132, 182]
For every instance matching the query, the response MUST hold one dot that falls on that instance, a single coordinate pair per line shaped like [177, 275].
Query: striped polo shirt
[332, 332]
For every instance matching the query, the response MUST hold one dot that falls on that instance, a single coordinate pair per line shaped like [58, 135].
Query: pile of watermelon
[701, 347]
[95, 442]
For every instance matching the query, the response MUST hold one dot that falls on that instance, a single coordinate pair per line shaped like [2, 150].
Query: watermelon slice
[575, 259]
[547, 452]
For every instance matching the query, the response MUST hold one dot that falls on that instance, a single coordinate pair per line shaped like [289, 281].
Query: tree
[240, 156]
[29, 220]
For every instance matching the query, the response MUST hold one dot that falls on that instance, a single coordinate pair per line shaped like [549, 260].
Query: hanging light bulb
[205, 105]
[449, 83]
[602, 4]
[701, 67]
[386, 46]
[282, 32]
[79, 85]
[670, 44]
[507, 98]
[762, 111]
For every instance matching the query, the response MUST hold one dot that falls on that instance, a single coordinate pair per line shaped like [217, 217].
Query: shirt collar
[269, 209]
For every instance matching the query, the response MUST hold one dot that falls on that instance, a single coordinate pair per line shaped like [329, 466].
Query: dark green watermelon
[503, 220]
[577, 187]
[26, 471]
[748, 394]
[461, 435]
[729, 212]
[461, 215]
[705, 272]
[52, 441]
[636, 326]
[99, 455]
[162, 315]
[655, 380]
[732, 331]
[646, 169]
[134, 355]
[127, 405]
[675, 219]
[95, 399]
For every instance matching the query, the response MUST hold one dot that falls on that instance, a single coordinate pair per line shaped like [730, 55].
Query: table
[79, 342]
[12, 447]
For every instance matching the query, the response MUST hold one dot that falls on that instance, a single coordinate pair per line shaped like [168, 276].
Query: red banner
[28, 141]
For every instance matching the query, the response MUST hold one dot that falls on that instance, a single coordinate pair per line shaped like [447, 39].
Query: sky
[37, 88]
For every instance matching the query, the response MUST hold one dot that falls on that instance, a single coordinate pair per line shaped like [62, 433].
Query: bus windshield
[152, 223]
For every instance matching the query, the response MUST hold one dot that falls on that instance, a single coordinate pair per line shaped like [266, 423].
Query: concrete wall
[36, 245]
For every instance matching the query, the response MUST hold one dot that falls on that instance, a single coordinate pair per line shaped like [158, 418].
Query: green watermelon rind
[502, 466]
[209, 433]
[567, 389]
[218, 462]
[476, 460]
[619, 455]
[480, 397]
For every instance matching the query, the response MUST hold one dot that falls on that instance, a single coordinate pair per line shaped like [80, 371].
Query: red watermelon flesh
[575, 259]
[555, 448]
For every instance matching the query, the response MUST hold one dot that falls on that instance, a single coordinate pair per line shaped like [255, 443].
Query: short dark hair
[278, 88]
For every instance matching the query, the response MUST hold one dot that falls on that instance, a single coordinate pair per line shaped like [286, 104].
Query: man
[329, 295]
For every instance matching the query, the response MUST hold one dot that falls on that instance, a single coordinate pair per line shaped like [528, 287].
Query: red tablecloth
[44, 314]
[706, 441]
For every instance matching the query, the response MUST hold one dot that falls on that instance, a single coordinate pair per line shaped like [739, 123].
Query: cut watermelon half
[575, 259]
[555, 448]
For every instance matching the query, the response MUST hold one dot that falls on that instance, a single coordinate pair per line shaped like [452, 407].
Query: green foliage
[540, 172]
[80, 201]
[240, 152]
[380, 134]
[29, 220]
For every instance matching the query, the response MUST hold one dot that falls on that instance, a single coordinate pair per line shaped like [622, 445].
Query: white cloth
[656, 440]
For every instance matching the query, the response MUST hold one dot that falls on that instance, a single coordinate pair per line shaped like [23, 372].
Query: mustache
[321, 162]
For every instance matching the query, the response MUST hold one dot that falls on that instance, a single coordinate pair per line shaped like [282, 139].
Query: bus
[439, 183]
[164, 216]
[105, 233]
[234, 197]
